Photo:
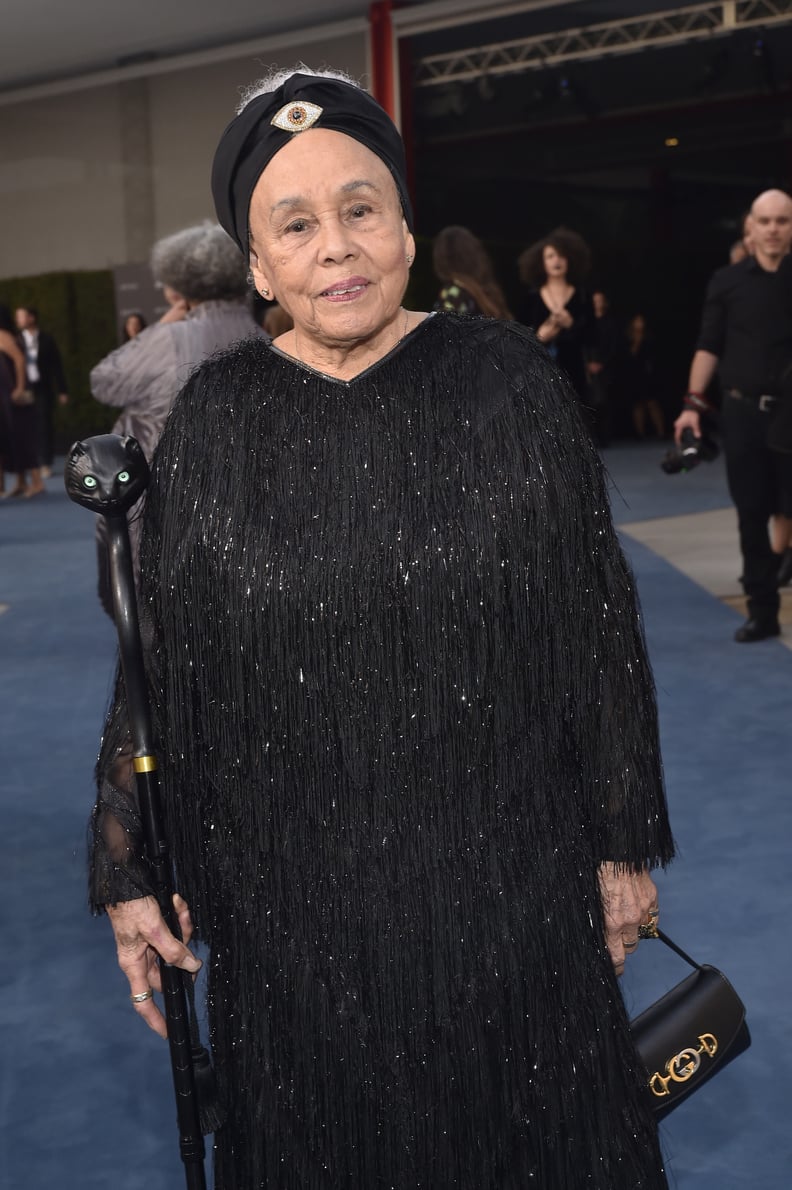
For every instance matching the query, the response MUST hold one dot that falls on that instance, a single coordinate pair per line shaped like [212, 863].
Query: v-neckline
[397, 347]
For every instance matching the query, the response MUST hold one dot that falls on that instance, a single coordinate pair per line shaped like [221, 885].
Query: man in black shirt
[746, 335]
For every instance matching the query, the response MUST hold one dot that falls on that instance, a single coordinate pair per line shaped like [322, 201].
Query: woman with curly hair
[557, 308]
[463, 264]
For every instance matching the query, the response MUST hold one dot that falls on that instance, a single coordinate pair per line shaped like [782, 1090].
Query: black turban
[251, 140]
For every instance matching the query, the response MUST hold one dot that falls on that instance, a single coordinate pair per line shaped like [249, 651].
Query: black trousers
[757, 477]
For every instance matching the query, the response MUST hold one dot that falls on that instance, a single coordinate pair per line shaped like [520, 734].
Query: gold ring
[141, 997]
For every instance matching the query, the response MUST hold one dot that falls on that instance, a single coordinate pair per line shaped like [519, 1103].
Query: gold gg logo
[683, 1065]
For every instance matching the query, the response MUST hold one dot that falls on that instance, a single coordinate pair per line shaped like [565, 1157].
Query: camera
[690, 452]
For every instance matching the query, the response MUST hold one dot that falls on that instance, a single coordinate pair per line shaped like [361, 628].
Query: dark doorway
[653, 156]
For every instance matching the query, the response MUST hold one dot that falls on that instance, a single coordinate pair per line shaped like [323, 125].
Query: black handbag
[690, 1033]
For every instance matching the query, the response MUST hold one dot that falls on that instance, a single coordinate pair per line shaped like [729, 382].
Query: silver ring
[630, 945]
[141, 997]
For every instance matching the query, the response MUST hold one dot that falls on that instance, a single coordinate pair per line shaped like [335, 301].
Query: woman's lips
[345, 291]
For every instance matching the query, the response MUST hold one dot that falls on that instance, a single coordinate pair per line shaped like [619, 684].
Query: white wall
[81, 189]
[61, 184]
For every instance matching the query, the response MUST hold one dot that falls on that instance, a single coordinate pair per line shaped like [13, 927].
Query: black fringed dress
[405, 712]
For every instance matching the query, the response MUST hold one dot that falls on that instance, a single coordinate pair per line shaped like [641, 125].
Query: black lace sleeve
[118, 870]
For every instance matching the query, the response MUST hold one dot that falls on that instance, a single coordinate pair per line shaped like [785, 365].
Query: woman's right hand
[688, 419]
[548, 330]
[141, 936]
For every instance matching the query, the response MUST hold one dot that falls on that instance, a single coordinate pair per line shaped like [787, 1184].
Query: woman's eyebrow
[359, 184]
[297, 200]
[287, 202]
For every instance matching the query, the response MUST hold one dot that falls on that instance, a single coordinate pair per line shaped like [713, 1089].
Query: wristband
[697, 403]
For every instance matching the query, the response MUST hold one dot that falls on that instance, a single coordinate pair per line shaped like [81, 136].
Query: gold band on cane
[144, 764]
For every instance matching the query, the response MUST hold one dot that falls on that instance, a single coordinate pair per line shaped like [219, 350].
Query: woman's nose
[335, 240]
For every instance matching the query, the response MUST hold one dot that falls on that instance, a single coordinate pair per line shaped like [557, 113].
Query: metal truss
[691, 23]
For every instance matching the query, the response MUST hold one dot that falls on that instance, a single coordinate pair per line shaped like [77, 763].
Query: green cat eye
[123, 477]
[89, 481]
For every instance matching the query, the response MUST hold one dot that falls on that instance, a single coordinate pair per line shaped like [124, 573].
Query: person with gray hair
[204, 279]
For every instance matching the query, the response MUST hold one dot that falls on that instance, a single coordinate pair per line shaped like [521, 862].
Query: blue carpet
[640, 491]
[85, 1096]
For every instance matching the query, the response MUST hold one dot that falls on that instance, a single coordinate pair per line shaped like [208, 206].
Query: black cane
[108, 474]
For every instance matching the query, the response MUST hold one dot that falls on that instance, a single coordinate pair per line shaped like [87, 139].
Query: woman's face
[555, 265]
[328, 238]
[133, 325]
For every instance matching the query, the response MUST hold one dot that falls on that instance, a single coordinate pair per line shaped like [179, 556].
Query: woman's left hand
[628, 899]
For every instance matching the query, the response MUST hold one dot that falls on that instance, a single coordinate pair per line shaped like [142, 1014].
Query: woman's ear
[409, 242]
[260, 281]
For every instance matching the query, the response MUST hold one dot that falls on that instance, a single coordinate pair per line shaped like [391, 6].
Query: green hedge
[78, 309]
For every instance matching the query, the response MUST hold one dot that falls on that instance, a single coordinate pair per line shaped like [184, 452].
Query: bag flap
[696, 1022]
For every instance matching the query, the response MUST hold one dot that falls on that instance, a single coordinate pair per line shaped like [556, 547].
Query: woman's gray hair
[277, 76]
[202, 263]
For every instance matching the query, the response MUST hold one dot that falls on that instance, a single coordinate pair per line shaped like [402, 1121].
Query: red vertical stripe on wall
[382, 55]
[406, 104]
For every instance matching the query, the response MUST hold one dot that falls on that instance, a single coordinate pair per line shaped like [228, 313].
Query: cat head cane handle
[106, 474]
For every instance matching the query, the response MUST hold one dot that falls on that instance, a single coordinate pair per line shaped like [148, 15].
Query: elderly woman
[408, 734]
[204, 281]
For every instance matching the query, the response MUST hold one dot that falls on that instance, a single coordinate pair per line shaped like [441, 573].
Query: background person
[46, 378]
[410, 753]
[638, 379]
[12, 387]
[133, 324]
[746, 337]
[18, 421]
[556, 307]
[205, 281]
[602, 356]
[463, 265]
[276, 321]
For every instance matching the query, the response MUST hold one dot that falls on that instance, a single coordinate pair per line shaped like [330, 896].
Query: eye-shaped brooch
[296, 117]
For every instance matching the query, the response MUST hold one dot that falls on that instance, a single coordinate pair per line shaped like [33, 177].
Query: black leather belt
[764, 401]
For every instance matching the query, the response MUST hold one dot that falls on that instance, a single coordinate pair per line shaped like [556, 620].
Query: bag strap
[678, 950]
